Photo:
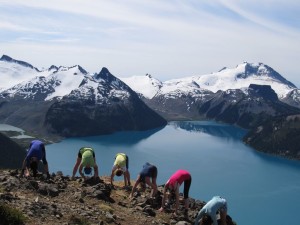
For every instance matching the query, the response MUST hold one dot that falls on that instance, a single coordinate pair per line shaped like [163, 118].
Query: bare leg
[223, 215]
[127, 177]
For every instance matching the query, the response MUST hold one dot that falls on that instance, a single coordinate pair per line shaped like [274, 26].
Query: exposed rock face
[12, 154]
[60, 200]
[82, 119]
[246, 109]
[9, 59]
[279, 136]
[179, 105]
[90, 111]
[293, 98]
[26, 114]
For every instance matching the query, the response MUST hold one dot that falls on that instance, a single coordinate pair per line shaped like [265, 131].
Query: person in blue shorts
[147, 176]
[36, 152]
[208, 214]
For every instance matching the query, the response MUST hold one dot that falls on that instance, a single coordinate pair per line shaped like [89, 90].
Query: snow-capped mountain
[14, 71]
[239, 77]
[67, 95]
[69, 101]
[293, 98]
[186, 98]
[145, 85]
[46, 85]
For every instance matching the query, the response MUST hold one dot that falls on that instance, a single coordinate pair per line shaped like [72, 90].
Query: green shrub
[11, 216]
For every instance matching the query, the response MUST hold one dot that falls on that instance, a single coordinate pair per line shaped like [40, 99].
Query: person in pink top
[173, 185]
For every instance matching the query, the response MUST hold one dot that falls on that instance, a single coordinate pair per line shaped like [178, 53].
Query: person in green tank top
[86, 160]
[120, 168]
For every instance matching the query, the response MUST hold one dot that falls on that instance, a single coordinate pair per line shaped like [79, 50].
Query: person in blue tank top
[36, 152]
[147, 176]
[208, 214]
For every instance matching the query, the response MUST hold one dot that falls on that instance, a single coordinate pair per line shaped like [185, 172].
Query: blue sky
[166, 38]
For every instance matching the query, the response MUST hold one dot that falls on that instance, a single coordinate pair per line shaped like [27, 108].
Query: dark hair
[87, 170]
[206, 220]
[34, 167]
[119, 172]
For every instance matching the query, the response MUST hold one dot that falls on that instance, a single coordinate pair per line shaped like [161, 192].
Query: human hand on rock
[27, 173]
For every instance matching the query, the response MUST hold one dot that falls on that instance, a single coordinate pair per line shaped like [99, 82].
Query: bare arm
[24, 164]
[112, 175]
[223, 215]
[80, 171]
[163, 199]
[76, 166]
[199, 216]
[135, 185]
[24, 168]
[177, 198]
[46, 168]
[96, 173]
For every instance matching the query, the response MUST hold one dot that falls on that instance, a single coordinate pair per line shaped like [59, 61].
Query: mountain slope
[102, 104]
[145, 85]
[12, 154]
[246, 109]
[293, 98]
[14, 71]
[56, 84]
[280, 136]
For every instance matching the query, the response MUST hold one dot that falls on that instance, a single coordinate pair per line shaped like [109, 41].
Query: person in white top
[208, 214]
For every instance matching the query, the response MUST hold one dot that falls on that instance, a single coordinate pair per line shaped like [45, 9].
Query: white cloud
[166, 38]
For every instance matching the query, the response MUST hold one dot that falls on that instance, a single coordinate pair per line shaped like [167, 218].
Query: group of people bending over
[86, 160]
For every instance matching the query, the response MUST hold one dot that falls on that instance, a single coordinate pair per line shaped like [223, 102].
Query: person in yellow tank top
[86, 160]
[120, 168]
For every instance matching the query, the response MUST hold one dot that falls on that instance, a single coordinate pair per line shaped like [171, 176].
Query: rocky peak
[260, 69]
[53, 67]
[264, 91]
[7, 58]
[105, 75]
[224, 68]
[82, 70]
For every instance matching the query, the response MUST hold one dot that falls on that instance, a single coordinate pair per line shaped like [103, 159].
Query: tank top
[179, 176]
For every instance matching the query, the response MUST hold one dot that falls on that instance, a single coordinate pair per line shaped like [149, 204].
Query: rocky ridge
[61, 200]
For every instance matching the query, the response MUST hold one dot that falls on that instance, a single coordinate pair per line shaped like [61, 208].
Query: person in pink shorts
[173, 184]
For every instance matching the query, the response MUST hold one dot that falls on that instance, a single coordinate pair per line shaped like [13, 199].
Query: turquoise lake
[260, 189]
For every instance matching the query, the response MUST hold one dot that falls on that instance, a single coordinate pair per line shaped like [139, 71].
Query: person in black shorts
[147, 176]
[36, 152]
